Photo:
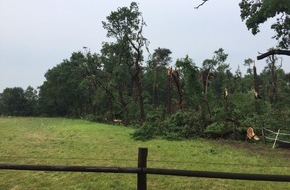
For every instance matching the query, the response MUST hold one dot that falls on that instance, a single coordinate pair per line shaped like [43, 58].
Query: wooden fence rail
[278, 139]
[141, 170]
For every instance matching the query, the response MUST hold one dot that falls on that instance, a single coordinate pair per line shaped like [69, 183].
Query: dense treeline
[179, 102]
[173, 100]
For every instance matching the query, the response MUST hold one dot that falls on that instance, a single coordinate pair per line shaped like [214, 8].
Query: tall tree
[190, 83]
[61, 93]
[214, 71]
[118, 79]
[161, 58]
[126, 26]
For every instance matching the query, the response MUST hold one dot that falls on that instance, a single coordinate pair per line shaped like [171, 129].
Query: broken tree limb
[273, 52]
[201, 4]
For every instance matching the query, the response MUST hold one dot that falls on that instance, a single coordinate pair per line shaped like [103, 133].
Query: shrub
[178, 126]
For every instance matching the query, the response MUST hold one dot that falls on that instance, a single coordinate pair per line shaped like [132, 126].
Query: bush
[179, 125]
[149, 129]
[145, 132]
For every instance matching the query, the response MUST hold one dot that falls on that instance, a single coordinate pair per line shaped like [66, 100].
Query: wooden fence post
[142, 163]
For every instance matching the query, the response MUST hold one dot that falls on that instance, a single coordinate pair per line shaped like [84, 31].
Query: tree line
[173, 100]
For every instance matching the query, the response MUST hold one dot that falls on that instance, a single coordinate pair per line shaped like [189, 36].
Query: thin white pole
[274, 144]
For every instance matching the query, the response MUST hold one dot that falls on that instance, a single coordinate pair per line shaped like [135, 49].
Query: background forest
[161, 97]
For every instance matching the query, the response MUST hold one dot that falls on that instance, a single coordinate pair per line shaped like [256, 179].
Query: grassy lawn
[58, 141]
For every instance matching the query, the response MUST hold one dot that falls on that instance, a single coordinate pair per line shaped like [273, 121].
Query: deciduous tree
[126, 26]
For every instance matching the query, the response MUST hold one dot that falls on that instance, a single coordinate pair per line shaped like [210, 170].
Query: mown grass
[58, 141]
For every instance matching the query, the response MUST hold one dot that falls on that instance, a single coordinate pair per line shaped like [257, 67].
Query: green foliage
[180, 125]
[146, 132]
[256, 13]
[118, 84]
[17, 102]
[215, 128]
[150, 129]
[126, 26]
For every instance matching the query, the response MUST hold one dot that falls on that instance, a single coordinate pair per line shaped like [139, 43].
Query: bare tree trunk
[175, 76]
[141, 99]
[205, 92]
[168, 107]
[273, 96]
[155, 86]
[139, 89]
[124, 106]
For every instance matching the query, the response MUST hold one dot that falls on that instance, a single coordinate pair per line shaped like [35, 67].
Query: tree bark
[155, 93]
[178, 86]
[273, 52]
[168, 109]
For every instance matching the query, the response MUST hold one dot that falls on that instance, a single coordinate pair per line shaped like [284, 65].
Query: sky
[36, 35]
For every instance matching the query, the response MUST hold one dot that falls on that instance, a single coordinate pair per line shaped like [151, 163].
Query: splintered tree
[126, 26]
[173, 80]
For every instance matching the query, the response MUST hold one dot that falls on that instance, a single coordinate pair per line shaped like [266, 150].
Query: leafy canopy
[256, 12]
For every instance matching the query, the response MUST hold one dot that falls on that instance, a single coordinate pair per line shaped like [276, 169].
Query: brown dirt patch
[256, 147]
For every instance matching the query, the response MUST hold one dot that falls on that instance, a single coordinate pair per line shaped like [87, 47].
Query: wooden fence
[278, 138]
[141, 170]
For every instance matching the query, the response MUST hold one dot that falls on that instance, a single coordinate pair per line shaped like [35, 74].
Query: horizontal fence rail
[156, 171]
[141, 170]
[70, 168]
[221, 175]
[277, 139]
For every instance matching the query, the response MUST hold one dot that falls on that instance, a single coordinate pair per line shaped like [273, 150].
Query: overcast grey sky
[36, 35]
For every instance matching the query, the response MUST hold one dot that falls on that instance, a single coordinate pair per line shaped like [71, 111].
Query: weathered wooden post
[142, 163]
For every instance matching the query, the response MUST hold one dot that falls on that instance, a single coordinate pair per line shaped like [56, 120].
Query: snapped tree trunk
[168, 107]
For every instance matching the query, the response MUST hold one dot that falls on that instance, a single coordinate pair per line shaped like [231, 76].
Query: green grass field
[58, 141]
